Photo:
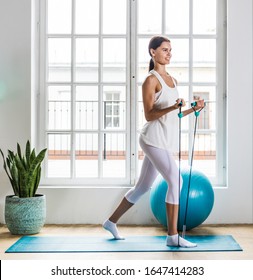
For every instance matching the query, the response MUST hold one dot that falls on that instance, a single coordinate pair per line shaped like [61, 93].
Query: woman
[158, 140]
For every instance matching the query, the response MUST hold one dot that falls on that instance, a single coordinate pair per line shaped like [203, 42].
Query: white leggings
[156, 161]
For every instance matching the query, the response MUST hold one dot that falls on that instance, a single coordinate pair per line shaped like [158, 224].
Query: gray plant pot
[25, 215]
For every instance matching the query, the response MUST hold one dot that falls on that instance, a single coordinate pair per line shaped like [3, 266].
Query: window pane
[204, 60]
[185, 149]
[114, 104]
[177, 16]
[114, 16]
[86, 107]
[86, 67]
[114, 60]
[204, 16]
[140, 113]
[86, 154]
[149, 17]
[179, 66]
[59, 155]
[205, 153]
[207, 117]
[59, 16]
[59, 107]
[143, 59]
[87, 17]
[114, 155]
[59, 59]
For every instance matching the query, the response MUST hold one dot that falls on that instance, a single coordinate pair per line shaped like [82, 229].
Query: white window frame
[132, 85]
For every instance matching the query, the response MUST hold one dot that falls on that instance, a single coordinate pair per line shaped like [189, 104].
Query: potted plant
[25, 211]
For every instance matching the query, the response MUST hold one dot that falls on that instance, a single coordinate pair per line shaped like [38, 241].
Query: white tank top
[163, 132]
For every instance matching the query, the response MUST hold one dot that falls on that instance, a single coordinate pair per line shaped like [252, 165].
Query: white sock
[172, 240]
[112, 227]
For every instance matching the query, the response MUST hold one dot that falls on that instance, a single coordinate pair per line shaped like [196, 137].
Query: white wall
[233, 204]
[15, 73]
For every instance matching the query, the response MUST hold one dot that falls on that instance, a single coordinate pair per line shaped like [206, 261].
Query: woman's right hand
[180, 102]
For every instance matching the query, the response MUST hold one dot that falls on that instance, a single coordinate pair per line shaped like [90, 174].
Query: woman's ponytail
[151, 64]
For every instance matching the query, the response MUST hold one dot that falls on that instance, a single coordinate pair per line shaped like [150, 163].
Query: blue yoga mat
[68, 244]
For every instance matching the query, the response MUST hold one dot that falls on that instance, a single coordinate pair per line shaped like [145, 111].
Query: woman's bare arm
[149, 88]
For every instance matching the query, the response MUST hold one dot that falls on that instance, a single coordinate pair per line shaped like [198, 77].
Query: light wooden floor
[243, 234]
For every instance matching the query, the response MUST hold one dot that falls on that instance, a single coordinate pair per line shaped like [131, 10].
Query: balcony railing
[86, 131]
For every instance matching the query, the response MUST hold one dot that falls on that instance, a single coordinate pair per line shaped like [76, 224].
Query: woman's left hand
[199, 104]
[180, 102]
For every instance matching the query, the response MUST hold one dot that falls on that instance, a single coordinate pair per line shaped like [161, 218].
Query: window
[112, 110]
[91, 75]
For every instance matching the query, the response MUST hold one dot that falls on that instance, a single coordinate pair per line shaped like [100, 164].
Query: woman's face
[162, 54]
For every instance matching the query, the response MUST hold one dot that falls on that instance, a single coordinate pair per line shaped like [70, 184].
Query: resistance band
[180, 115]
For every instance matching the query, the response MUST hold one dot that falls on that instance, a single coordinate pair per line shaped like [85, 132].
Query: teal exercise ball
[200, 202]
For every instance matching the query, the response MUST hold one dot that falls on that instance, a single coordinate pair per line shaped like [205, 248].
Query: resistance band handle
[194, 104]
[180, 114]
[196, 113]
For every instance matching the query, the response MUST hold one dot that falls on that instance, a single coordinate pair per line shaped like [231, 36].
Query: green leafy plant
[24, 171]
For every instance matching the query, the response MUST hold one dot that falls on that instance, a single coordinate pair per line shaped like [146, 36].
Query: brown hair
[155, 43]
